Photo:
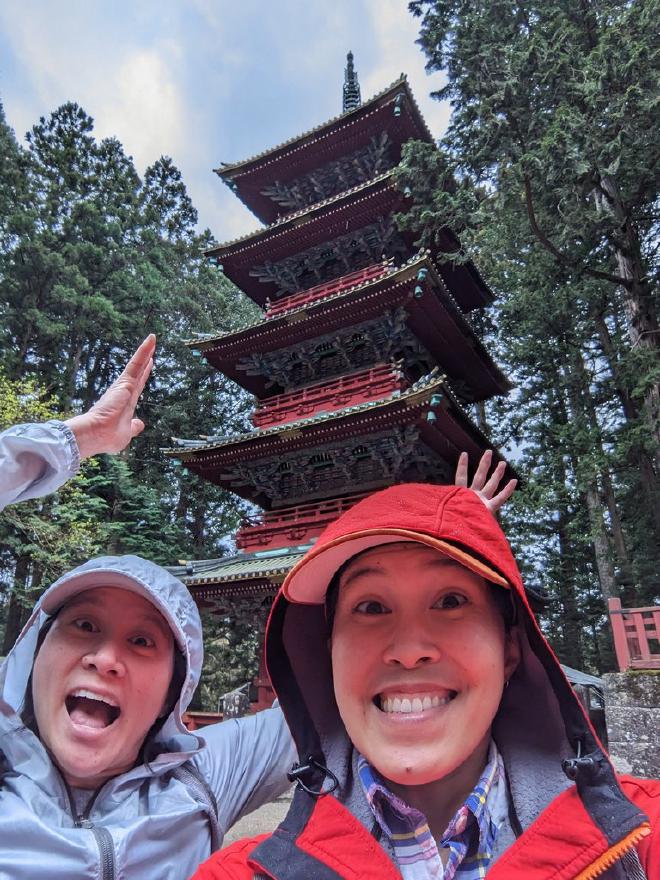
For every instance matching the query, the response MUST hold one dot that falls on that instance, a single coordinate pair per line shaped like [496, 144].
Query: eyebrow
[367, 569]
[154, 617]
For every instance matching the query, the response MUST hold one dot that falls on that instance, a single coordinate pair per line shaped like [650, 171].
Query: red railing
[635, 629]
[196, 720]
[335, 394]
[292, 525]
[328, 288]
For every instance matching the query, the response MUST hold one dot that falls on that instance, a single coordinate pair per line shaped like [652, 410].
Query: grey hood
[167, 593]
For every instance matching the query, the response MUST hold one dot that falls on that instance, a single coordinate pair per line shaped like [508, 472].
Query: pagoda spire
[351, 89]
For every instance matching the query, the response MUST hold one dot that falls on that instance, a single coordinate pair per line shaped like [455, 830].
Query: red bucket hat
[450, 519]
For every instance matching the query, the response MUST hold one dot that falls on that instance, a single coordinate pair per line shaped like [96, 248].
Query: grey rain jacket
[153, 821]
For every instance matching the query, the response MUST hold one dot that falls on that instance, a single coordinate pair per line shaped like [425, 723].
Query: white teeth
[406, 705]
[90, 695]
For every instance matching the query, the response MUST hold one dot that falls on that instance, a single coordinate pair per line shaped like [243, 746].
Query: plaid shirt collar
[470, 836]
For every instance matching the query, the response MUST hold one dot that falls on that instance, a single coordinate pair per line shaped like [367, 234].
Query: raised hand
[486, 489]
[110, 425]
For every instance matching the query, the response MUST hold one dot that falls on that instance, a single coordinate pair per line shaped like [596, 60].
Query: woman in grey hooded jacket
[99, 777]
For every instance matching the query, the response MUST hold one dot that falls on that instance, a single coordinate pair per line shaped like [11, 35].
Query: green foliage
[231, 651]
[92, 258]
[549, 172]
[54, 534]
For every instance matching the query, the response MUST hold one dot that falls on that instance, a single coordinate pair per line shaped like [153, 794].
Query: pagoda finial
[351, 90]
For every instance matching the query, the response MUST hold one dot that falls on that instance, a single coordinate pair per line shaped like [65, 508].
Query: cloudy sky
[204, 81]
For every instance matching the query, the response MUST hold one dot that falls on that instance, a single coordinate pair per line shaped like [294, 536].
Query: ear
[512, 652]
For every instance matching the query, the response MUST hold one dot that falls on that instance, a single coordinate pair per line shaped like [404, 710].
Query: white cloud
[395, 31]
[205, 80]
[132, 91]
[143, 106]
[218, 206]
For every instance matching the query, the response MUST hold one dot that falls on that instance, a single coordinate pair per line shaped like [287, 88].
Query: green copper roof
[248, 566]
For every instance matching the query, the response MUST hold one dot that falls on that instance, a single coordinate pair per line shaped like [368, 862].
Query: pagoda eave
[338, 217]
[433, 315]
[337, 136]
[207, 594]
[271, 236]
[249, 576]
[432, 405]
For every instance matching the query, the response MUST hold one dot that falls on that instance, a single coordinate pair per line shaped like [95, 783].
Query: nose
[105, 659]
[411, 646]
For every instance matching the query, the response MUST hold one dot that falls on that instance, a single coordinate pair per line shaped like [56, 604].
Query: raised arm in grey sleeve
[35, 460]
[245, 762]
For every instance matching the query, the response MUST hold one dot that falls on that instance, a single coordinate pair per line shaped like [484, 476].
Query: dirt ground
[266, 818]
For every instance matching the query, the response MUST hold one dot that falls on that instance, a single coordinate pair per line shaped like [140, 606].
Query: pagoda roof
[241, 567]
[271, 235]
[214, 582]
[447, 434]
[188, 450]
[336, 137]
[341, 214]
[434, 318]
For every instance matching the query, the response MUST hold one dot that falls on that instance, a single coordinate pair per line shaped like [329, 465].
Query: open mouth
[87, 709]
[407, 704]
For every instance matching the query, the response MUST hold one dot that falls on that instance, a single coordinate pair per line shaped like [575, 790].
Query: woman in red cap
[436, 732]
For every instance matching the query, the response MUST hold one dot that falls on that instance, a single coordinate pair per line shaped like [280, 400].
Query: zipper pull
[581, 765]
[574, 767]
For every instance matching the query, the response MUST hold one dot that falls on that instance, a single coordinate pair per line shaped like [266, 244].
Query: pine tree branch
[562, 258]
[646, 179]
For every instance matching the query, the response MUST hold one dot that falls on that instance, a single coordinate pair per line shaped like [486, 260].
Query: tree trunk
[609, 352]
[600, 543]
[198, 527]
[15, 608]
[622, 557]
[571, 619]
[638, 300]
[70, 374]
[583, 417]
[626, 577]
[648, 476]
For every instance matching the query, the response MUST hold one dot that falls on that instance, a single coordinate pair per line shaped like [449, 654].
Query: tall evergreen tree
[91, 259]
[549, 169]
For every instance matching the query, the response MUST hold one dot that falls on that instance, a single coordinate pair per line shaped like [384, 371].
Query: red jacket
[572, 817]
[563, 844]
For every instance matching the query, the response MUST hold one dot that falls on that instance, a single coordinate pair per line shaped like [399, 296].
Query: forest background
[549, 170]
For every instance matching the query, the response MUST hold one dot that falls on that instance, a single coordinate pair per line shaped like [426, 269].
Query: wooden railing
[328, 288]
[636, 635]
[291, 525]
[333, 394]
[196, 720]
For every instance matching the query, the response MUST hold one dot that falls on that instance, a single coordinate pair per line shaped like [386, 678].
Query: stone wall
[632, 711]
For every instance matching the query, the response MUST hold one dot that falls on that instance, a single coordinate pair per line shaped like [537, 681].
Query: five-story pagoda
[364, 365]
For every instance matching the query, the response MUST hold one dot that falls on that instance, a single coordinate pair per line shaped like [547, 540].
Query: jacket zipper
[614, 853]
[102, 836]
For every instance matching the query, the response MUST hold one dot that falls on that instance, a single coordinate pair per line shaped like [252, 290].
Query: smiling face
[419, 659]
[100, 680]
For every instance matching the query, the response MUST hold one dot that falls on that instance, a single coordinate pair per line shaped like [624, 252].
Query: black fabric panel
[597, 784]
[279, 855]
[287, 688]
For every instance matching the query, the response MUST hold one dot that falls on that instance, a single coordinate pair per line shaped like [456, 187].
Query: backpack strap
[190, 775]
